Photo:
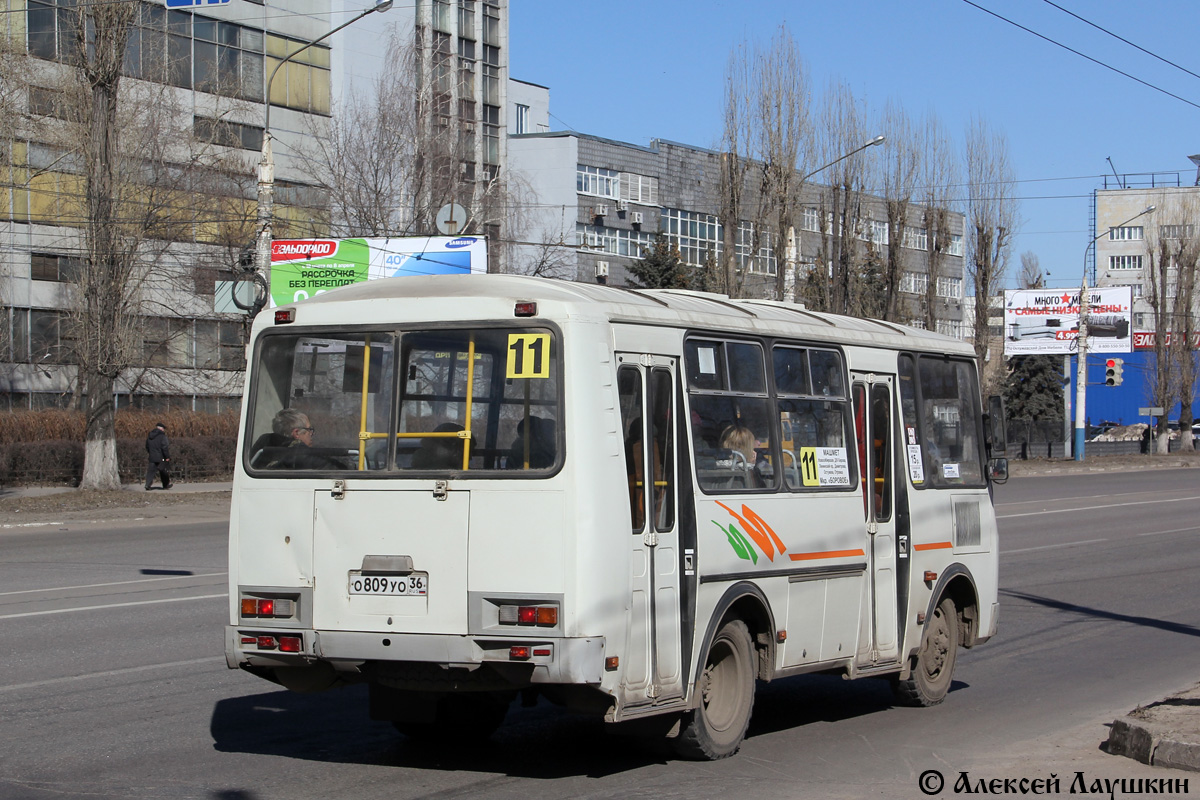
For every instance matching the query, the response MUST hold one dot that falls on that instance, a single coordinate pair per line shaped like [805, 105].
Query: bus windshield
[445, 400]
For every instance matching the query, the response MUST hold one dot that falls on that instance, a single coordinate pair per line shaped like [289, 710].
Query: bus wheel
[934, 669]
[715, 729]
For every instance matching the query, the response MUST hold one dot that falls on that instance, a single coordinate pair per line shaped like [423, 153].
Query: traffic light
[1113, 368]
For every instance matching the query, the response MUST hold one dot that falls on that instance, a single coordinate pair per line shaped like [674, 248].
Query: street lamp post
[793, 239]
[1082, 341]
[266, 180]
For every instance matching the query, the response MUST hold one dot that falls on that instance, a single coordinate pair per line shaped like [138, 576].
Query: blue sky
[635, 71]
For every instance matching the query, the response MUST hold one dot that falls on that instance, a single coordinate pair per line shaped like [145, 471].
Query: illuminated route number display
[528, 355]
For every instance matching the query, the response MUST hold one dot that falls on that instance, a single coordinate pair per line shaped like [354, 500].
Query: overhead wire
[1121, 38]
[1095, 61]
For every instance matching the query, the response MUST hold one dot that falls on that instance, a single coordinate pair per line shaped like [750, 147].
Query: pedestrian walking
[158, 449]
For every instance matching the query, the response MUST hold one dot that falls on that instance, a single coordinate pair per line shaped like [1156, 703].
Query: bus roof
[406, 299]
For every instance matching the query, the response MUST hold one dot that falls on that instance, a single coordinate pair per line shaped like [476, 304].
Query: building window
[810, 220]
[1124, 262]
[956, 245]
[227, 134]
[949, 287]
[915, 238]
[1129, 233]
[441, 16]
[914, 283]
[303, 82]
[491, 85]
[166, 46]
[615, 241]
[596, 181]
[877, 232]
[46, 102]
[491, 24]
[764, 261]
[491, 134]
[951, 327]
[1139, 319]
[640, 189]
[466, 48]
[522, 122]
[50, 267]
[698, 237]
[1176, 231]
[466, 18]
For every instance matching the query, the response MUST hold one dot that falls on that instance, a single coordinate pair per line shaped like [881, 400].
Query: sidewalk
[176, 488]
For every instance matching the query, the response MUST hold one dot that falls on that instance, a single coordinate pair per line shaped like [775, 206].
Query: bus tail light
[518, 652]
[283, 316]
[268, 607]
[289, 644]
[525, 308]
[266, 643]
[546, 616]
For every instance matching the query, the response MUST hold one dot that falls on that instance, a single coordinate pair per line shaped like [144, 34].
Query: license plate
[389, 585]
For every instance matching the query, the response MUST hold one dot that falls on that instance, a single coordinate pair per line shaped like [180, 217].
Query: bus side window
[629, 390]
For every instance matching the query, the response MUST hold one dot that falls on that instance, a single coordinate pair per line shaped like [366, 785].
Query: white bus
[633, 503]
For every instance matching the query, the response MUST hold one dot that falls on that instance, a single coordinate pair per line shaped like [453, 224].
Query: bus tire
[934, 668]
[716, 727]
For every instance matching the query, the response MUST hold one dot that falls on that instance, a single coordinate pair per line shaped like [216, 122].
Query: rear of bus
[418, 541]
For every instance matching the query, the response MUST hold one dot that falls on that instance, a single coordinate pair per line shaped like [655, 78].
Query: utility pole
[261, 270]
[1082, 342]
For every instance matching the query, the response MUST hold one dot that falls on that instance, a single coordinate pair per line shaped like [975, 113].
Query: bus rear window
[440, 401]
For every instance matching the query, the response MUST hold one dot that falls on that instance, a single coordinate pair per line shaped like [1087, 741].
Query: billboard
[302, 268]
[1044, 321]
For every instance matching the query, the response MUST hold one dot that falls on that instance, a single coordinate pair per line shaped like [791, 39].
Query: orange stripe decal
[826, 554]
[933, 546]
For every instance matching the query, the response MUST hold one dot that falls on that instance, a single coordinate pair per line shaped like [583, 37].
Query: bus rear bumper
[556, 660]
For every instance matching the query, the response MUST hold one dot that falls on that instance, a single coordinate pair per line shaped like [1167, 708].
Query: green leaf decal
[738, 542]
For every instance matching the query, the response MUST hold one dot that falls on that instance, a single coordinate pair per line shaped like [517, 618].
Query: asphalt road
[114, 684]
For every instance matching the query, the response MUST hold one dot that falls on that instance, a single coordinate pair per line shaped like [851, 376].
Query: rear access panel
[390, 561]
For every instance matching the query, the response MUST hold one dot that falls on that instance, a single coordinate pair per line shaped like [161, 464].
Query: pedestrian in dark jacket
[159, 451]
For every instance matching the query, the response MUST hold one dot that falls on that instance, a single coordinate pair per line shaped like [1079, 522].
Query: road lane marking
[1095, 508]
[1175, 530]
[110, 673]
[113, 605]
[1050, 546]
[114, 583]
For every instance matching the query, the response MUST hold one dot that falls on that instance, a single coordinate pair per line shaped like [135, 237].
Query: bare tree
[904, 159]
[939, 173]
[1032, 276]
[991, 221]
[1173, 255]
[763, 144]
[842, 128]
[132, 180]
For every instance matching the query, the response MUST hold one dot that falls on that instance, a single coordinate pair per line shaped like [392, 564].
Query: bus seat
[265, 445]
[541, 445]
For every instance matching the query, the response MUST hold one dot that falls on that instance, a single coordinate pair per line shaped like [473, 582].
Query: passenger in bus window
[442, 452]
[540, 445]
[740, 439]
[294, 427]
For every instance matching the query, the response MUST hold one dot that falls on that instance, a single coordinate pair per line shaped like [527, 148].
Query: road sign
[193, 3]
[223, 297]
[1155, 411]
[451, 219]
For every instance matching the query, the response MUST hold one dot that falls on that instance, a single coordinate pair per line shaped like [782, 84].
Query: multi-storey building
[209, 66]
[602, 201]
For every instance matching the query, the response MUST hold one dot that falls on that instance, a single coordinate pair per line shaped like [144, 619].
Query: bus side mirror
[998, 470]
[995, 427]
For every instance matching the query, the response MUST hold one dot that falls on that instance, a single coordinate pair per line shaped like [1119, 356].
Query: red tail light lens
[518, 652]
[527, 615]
[266, 608]
[266, 643]
[289, 644]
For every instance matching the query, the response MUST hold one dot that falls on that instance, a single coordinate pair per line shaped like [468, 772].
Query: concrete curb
[1164, 734]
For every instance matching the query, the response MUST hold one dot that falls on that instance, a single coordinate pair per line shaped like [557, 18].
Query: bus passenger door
[653, 658]
[873, 427]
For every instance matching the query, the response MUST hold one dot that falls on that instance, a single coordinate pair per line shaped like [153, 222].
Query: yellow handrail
[362, 419]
